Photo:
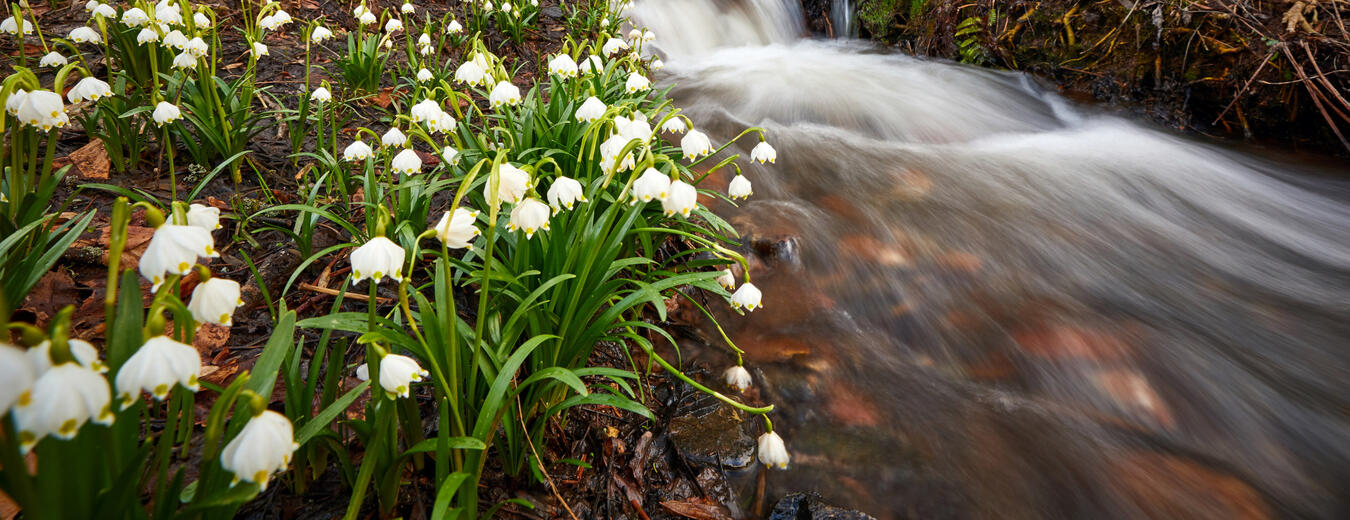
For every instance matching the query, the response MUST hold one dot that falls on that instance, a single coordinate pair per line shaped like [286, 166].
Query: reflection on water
[984, 302]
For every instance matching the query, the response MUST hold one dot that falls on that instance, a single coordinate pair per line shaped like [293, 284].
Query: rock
[809, 506]
[715, 436]
[551, 12]
[781, 250]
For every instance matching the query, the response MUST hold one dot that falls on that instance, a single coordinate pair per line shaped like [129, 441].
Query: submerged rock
[714, 436]
[809, 506]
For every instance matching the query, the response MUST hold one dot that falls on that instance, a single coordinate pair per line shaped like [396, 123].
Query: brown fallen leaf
[138, 238]
[210, 338]
[697, 510]
[54, 291]
[90, 160]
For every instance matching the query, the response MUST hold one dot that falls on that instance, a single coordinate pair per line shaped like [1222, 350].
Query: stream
[985, 301]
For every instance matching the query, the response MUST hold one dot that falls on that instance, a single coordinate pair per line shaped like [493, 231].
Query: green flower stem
[651, 353]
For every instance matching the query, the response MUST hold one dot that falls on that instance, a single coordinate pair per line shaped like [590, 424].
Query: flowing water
[985, 301]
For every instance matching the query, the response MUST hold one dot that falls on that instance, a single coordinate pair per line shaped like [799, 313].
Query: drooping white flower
[367, 18]
[406, 163]
[147, 35]
[635, 128]
[282, 17]
[166, 112]
[674, 125]
[156, 367]
[168, 15]
[214, 301]
[635, 35]
[591, 110]
[454, 27]
[201, 21]
[441, 122]
[196, 47]
[695, 144]
[609, 155]
[470, 72]
[737, 377]
[393, 25]
[450, 155]
[740, 188]
[564, 193]
[262, 448]
[90, 5]
[269, 22]
[408, 8]
[203, 216]
[637, 83]
[652, 185]
[592, 64]
[504, 93]
[563, 66]
[398, 373]
[458, 228]
[43, 109]
[424, 40]
[320, 34]
[681, 198]
[747, 297]
[321, 95]
[61, 401]
[763, 153]
[259, 50]
[185, 60]
[176, 39]
[174, 249]
[15, 101]
[84, 353]
[727, 280]
[376, 259]
[85, 34]
[18, 375]
[105, 11]
[135, 17]
[424, 110]
[424, 75]
[656, 64]
[394, 137]
[89, 88]
[357, 151]
[613, 46]
[530, 215]
[772, 451]
[512, 183]
[359, 11]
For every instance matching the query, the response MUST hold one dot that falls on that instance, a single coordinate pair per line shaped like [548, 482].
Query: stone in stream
[711, 436]
[809, 506]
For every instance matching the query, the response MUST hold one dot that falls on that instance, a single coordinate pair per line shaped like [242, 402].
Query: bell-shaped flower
[282, 17]
[367, 18]
[424, 110]
[85, 34]
[105, 11]
[450, 155]
[613, 46]
[269, 22]
[424, 40]
[442, 122]
[135, 17]
[563, 66]
[89, 88]
[196, 47]
[398, 373]
[147, 35]
[763, 153]
[406, 163]
[320, 34]
[737, 377]
[635, 128]
[393, 25]
[564, 193]
[740, 188]
[454, 27]
[174, 249]
[424, 75]
[61, 401]
[176, 39]
[591, 110]
[18, 375]
[637, 83]
[726, 280]
[169, 15]
[747, 297]
[591, 65]
[321, 95]
[674, 125]
[214, 301]
[156, 367]
[656, 64]
[772, 451]
[512, 183]
[10, 26]
[263, 447]
[652, 185]
[376, 259]
[357, 151]
[695, 144]
[259, 50]
[458, 228]
[359, 10]
[185, 61]
[504, 94]
[393, 138]
[529, 215]
[470, 72]
[408, 8]
[609, 155]
[14, 101]
[166, 113]
[53, 59]
[201, 21]
[203, 216]
[681, 198]
[43, 109]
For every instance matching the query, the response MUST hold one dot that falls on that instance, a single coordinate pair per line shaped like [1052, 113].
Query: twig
[1244, 87]
[334, 292]
[540, 462]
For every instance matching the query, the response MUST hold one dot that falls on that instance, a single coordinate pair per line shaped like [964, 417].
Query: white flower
[406, 163]
[529, 215]
[85, 34]
[262, 448]
[185, 60]
[166, 113]
[196, 47]
[747, 297]
[424, 110]
[609, 154]
[14, 101]
[394, 137]
[393, 25]
[424, 75]
[53, 59]
[740, 188]
[763, 153]
[613, 46]
[201, 21]
[156, 367]
[504, 94]
[441, 122]
[487, 7]
[652, 185]
[321, 95]
[637, 83]
[376, 259]
[450, 155]
[320, 34]
[727, 280]
[563, 66]
[454, 27]
[259, 49]
[737, 377]
[169, 15]
[357, 151]
[105, 11]
[9, 26]
[282, 17]
[470, 72]
[695, 144]
[89, 88]
[359, 11]
[674, 125]
[147, 35]
[174, 249]
[772, 451]
[591, 64]
[457, 229]
[84, 353]
[681, 198]
[647, 36]
[424, 40]
[635, 35]
[408, 8]
[90, 5]
[43, 109]
[398, 373]
[363, 372]
[366, 18]
[512, 183]
[565, 192]
[18, 374]
[203, 216]
[269, 22]
[135, 17]
[656, 64]
[591, 110]
[635, 128]
[61, 401]
[176, 39]
[214, 301]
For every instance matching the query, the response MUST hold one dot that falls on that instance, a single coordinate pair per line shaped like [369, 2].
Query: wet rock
[1166, 486]
[715, 436]
[781, 250]
[809, 506]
